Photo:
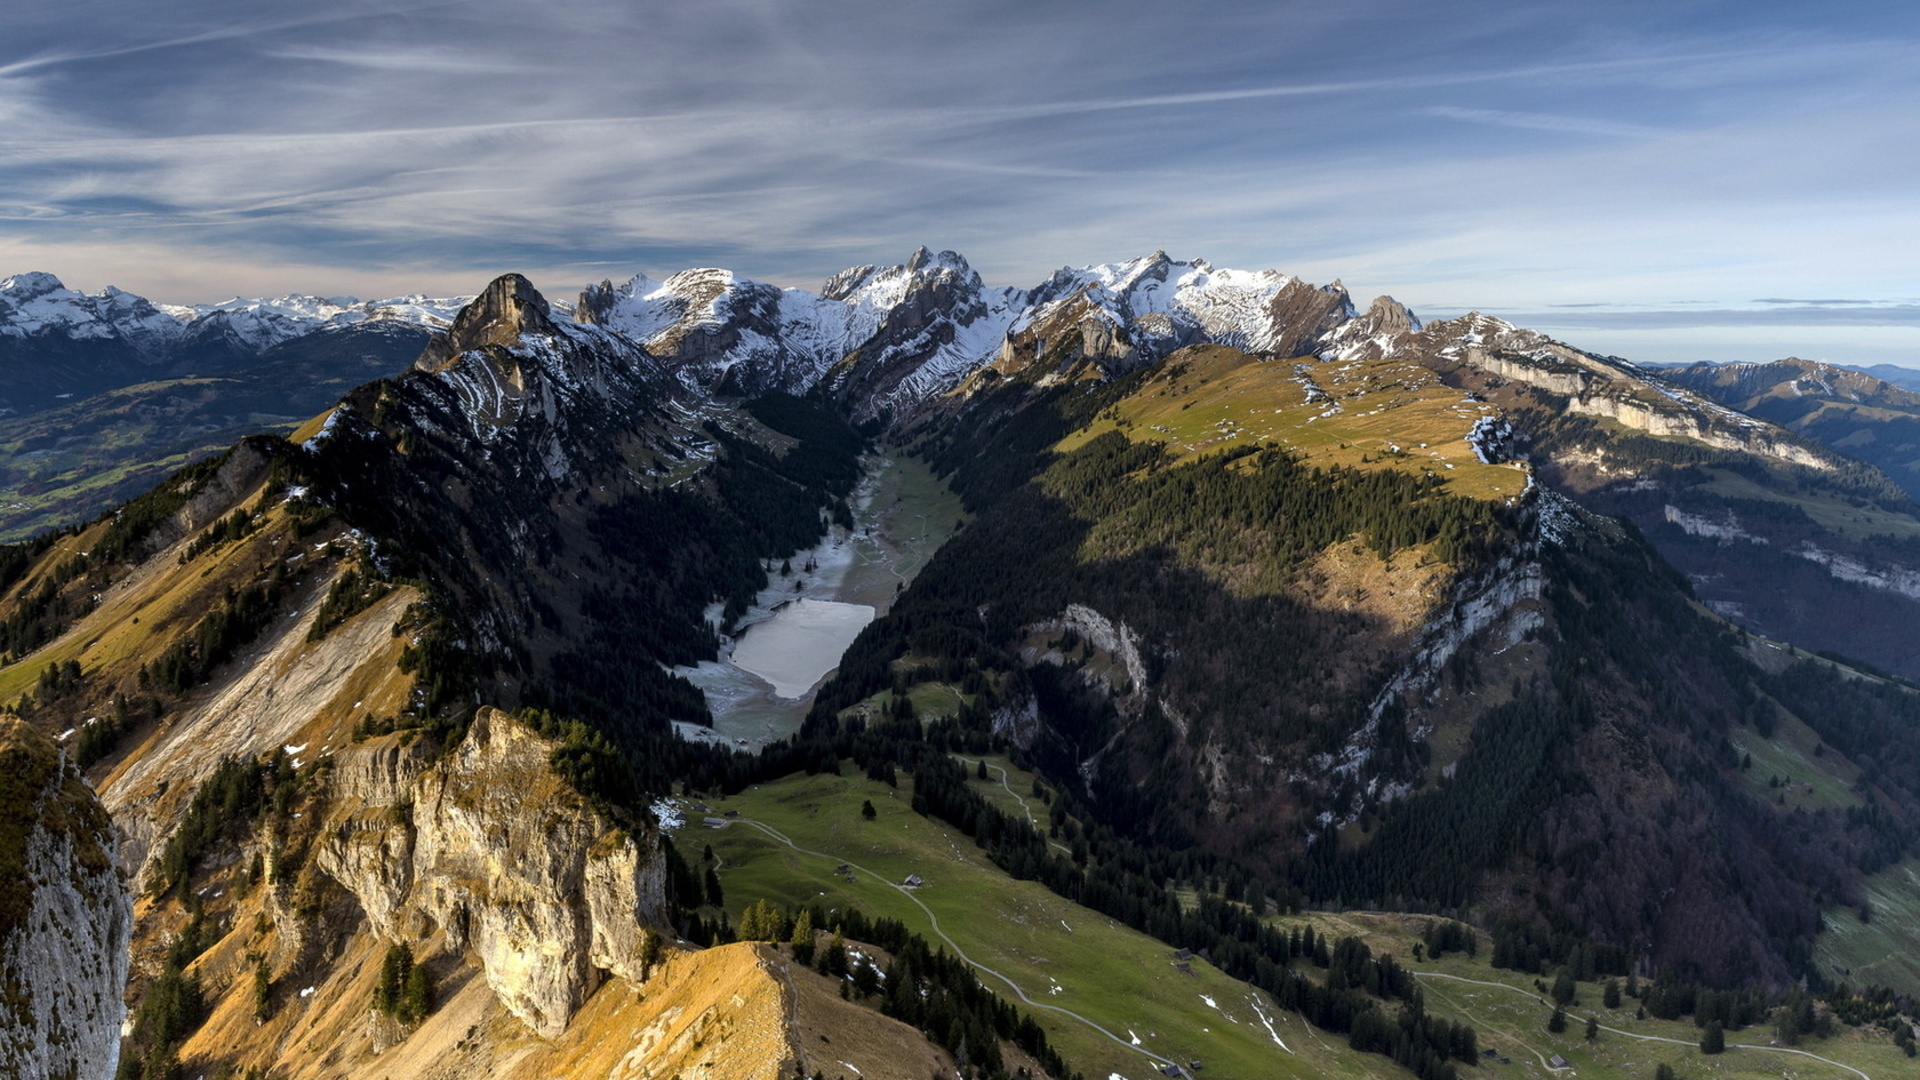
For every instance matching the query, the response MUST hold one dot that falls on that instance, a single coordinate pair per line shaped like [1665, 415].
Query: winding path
[1635, 1035]
[1004, 786]
[961, 953]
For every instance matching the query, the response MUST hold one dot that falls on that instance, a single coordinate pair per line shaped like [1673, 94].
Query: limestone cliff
[64, 918]
[495, 851]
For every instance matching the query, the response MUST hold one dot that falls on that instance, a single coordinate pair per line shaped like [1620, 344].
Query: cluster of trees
[233, 623]
[1522, 945]
[232, 527]
[404, 990]
[173, 1007]
[41, 615]
[225, 805]
[100, 737]
[354, 592]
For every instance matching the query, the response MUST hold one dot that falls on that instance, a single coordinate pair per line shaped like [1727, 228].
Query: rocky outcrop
[65, 920]
[509, 307]
[1301, 315]
[491, 847]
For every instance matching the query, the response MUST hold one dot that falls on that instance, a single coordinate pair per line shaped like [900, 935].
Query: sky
[1661, 181]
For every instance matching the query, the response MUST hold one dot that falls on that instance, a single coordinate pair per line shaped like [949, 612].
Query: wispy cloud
[1813, 303]
[417, 60]
[1532, 121]
[1617, 158]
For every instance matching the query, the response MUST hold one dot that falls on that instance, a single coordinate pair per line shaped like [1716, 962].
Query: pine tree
[262, 992]
[1557, 1023]
[867, 811]
[416, 999]
[389, 990]
[1611, 996]
[1593, 1028]
[650, 951]
[802, 940]
[1563, 987]
[1714, 1040]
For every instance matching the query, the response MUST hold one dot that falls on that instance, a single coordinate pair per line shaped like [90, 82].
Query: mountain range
[1283, 606]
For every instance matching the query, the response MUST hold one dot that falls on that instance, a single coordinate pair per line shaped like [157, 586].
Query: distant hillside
[69, 462]
[1862, 415]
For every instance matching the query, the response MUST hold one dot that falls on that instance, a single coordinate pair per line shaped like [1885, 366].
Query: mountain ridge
[1274, 628]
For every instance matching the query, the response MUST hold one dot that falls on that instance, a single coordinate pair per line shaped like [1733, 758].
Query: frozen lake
[801, 643]
[761, 684]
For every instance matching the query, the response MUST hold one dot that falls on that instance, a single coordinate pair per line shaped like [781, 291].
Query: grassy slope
[1885, 950]
[1221, 398]
[1059, 953]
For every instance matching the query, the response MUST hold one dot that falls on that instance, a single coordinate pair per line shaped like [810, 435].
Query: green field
[1812, 777]
[1069, 958]
[1882, 951]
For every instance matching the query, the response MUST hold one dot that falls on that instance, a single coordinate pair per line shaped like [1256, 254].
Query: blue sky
[1662, 181]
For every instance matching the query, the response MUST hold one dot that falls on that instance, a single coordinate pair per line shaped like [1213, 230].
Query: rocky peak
[1390, 316]
[508, 308]
[1302, 314]
[30, 285]
[953, 262]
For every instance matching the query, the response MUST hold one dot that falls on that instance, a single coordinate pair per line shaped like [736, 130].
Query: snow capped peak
[38, 304]
[952, 261]
[30, 285]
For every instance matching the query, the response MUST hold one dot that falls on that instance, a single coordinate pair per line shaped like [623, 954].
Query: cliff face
[64, 917]
[492, 849]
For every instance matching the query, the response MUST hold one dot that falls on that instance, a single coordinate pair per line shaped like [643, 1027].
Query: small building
[1183, 968]
[733, 813]
[714, 822]
[843, 868]
[1169, 1070]
[1556, 1062]
[1183, 954]
[913, 881]
[1195, 1065]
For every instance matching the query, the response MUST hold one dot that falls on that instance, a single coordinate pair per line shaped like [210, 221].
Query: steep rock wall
[65, 920]
[491, 847]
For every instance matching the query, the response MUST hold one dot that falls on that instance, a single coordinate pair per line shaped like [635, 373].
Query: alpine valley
[1241, 683]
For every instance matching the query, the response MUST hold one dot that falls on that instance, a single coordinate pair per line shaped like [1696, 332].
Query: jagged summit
[506, 309]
